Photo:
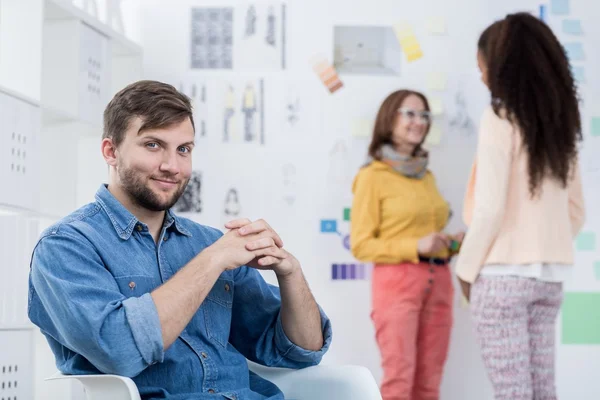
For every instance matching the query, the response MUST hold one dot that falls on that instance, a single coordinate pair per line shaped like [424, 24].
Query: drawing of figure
[232, 203]
[249, 109]
[190, 200]
[203, 102]
[270, 38]
[228, 127]
[461, 119]
[289, 183]
[293, 107]
[250, 21]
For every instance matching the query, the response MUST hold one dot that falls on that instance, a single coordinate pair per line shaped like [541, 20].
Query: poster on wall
[240, 110]
[260, 36]
[250, 36]
[211, 42]
[198, 91]
[191, 201]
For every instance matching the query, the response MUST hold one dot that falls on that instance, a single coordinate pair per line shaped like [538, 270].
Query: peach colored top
[506, 225]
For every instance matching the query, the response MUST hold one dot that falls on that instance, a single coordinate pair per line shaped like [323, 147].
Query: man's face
[153, 167]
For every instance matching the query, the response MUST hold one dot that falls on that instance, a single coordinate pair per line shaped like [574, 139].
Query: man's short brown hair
[158, 104]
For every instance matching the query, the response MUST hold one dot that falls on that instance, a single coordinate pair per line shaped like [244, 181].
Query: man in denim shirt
[123, 286]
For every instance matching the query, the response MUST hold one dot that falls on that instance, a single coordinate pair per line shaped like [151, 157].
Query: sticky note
[572, 26]
[434, 137]
[597, 270]
[436, 81]
[436, 105]
[578, 73]
[542, 15]
[574, 51]
[362, 127]
[595, 126]
[581, 318]
[408, 42]
[436, 25]
[328, 226]
[586, 241]
[346, 214]
[326, 73]
[559, 7]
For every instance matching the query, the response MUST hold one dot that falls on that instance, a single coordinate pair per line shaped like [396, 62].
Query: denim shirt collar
[124, 221]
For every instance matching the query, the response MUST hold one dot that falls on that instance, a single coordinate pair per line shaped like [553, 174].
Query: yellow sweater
[391, 212]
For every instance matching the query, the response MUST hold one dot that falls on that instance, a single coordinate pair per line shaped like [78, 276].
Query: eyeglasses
[424, 117]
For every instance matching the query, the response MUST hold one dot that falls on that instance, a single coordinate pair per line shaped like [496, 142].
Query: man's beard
[142, 195]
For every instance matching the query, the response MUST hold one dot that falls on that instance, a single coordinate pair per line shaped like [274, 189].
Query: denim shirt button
[227, 287]
[204, 355]
[139, 227]
[131, 285]
[211, 391]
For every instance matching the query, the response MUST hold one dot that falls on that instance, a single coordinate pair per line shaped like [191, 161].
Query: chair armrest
[347, 382]
[99, 387]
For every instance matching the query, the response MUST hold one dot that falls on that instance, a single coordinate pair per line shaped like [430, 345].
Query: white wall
[326, 156]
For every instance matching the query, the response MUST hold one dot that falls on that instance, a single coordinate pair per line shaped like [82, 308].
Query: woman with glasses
[524, 205]
[397, 222]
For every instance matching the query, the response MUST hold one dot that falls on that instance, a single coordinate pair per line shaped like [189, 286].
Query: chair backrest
[101, 387]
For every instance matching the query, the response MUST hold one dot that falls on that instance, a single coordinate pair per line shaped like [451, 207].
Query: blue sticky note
[586, 241]
[334, 271]
[543, 12]
[572, 26]
[574, 50]
[328, 226]
[343, 275]
[578, 73]
[559, 7]
[595, 126]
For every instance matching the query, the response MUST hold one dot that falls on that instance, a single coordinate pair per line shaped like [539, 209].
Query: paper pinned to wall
[586, 241]
[560, 7]
[362, 128]
[595, 126]
[326, 73]
[436, 81]
[572, 26]
[578, 73]
[581, 318]
[436, 25]
[434, 137]
[408, 41]
[574, 51]
[436, 105]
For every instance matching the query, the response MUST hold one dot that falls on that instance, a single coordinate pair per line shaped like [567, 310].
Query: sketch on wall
[246, 123]
[461, 120]
[232, 207]
[191, 201]
[288, 172]
[197, 92]
[211, 38]
[261, 36]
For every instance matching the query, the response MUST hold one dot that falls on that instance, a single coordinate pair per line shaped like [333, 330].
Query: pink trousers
[412, 314]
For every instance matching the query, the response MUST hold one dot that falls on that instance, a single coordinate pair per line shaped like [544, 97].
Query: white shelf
[61, 10]
[19, 96]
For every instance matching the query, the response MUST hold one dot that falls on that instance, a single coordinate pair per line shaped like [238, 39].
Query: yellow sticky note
[436, 81]
[362, 128]
[436, 25]
[434, 137]
[436, 105]
[408, 41]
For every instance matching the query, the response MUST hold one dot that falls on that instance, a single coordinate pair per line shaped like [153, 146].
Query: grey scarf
[409, 166]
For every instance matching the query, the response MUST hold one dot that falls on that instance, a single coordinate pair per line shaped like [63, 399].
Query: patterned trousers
[515, 324]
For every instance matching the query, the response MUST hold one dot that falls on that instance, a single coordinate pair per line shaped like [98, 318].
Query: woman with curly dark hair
[523, 205]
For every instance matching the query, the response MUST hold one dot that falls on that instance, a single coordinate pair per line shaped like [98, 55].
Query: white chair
[347, 382]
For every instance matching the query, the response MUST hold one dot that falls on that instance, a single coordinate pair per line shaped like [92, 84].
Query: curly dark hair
[530, 79]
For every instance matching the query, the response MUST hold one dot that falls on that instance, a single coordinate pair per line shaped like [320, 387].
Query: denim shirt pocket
[217, 311]
[135, 285]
